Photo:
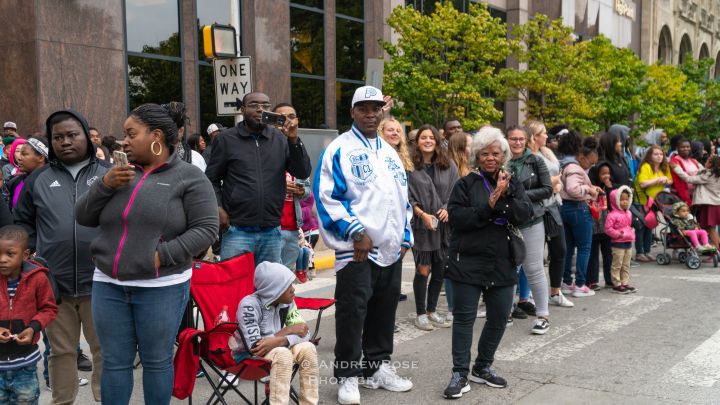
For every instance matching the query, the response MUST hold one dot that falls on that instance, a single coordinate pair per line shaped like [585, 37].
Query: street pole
[235, 22]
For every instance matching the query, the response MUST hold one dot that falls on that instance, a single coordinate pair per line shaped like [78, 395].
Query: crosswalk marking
[561, 342]
[700, 368]
[700, 279]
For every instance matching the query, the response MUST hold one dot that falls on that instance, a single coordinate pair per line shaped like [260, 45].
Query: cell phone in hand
[271, 118]
[435, 223]
[120, 158]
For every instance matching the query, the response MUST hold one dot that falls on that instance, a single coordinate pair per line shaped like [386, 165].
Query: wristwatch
[359, 235]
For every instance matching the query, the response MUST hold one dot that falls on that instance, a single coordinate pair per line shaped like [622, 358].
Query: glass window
[352, 8]
[208, 107]
[350, 49]
[153, 81]
[310, 3]
[307, 42]
[152, 26]
[343, 97]
[308, 97]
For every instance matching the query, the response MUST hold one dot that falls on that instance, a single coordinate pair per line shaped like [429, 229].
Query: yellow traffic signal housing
[219, 41]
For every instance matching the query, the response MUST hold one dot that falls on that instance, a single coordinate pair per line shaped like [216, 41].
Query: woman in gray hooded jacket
[154, 215]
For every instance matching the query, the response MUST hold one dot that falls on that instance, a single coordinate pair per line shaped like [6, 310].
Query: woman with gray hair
[482, 207]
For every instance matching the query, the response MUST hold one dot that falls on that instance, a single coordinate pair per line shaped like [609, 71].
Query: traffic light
[219, 41]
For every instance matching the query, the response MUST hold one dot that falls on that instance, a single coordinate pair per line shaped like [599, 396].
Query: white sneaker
[583, 291]
[561, 301]
[423, 323]
[229, 377]
[540, 326]
[481, 314]
[449, 317]
[567, 288]
[348, 393]
[438, 321]
[386, 377]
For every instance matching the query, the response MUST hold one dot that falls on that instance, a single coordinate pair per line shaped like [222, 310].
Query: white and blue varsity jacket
[361, 184]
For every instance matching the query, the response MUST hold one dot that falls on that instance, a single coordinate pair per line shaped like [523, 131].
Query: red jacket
[683, 189]
[33, 306]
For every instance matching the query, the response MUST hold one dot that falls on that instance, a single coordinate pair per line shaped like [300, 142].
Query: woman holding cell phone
[154, 216]
[430, 185]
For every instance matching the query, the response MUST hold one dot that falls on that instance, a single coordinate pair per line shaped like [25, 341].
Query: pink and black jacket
[170, 210]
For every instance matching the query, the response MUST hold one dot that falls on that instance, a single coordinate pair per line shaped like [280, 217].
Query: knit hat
[677, 206]
[7, 140]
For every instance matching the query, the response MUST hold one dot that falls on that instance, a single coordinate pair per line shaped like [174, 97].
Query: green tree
[558, 82]
[669, 100]
[444, 63]
[707, 123]
[154, 80]
[622, 74]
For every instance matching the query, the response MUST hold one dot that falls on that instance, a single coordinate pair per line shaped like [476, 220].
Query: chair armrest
[316, 304]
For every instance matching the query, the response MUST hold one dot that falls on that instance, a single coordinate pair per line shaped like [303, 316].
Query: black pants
[421, 288]
[498, 304]
[556, 254]
[600, 244]
[366, 300]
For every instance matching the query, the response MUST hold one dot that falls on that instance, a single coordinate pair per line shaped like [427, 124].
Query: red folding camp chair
[214, 285]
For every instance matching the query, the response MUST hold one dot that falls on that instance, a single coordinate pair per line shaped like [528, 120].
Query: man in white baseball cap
[362, 202]
[10, 129]
[212, 132]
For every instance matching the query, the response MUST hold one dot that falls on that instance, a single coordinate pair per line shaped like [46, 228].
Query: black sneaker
[83, 363]
[630, 288]
[403, 297]
[620, 289]
[518, 313]
[540, 327]
[457, 387]
[487, 376]
[527, 307]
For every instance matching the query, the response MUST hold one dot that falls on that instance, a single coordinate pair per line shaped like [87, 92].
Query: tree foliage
[557, 82]
[707, 123]
[443, 64]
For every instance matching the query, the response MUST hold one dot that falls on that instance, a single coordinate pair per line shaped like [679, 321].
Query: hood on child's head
[677, 206]
[615, 196]
[271, 281]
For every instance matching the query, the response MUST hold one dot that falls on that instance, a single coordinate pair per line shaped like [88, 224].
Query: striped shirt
[20, 362]
[12, 287]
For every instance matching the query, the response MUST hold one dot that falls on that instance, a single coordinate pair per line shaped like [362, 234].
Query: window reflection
[307, 42]
[311, 3]
[153, 81]
[150, 24]
[308, 97]
[349, 46]
[343, 98]
[352, 8]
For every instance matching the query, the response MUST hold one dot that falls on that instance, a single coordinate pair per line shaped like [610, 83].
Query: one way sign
[233, 81]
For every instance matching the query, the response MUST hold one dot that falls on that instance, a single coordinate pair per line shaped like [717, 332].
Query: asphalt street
[658, 346]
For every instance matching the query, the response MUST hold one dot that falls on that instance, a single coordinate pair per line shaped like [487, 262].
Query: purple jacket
[309, 220]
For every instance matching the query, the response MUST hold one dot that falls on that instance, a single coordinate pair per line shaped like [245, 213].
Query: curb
[326, 262]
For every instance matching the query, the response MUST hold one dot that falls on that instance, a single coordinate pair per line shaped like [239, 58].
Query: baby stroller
[672, 238]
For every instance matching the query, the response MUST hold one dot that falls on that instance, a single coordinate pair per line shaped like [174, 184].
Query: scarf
[517, 164]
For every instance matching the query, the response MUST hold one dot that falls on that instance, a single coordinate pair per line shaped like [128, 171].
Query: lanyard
[496, 220]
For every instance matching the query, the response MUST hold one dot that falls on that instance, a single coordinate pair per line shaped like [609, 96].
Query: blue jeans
[20, 387]
[643, 238]
[131, 320]
[578, 234]
[265, 245]
[290, 248]
[303, 260]
[523, 287]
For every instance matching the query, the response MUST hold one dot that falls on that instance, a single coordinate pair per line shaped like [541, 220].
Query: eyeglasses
[258, 106]
[516, 140]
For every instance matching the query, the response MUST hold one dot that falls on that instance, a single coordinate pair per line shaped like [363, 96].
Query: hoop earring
[152, 148]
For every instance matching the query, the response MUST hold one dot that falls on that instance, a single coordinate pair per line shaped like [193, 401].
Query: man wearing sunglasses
[247, 169]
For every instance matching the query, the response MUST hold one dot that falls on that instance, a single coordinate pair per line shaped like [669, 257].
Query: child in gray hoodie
[270, 326]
